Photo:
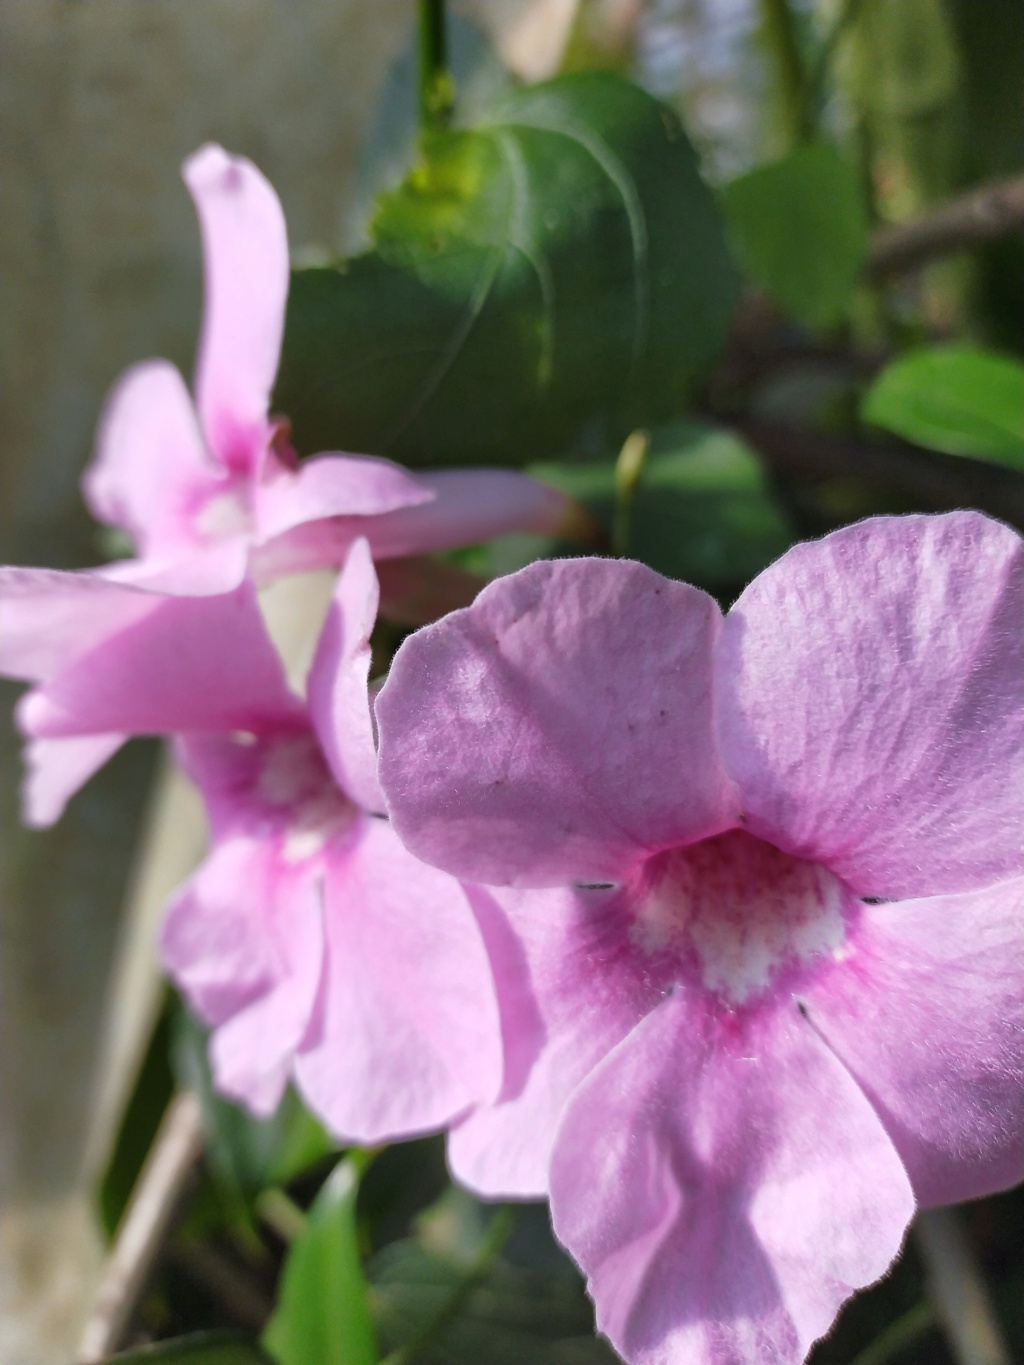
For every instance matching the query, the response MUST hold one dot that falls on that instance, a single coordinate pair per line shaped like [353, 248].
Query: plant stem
[155, 1199]
[783, 42]
[906, 1329]
[957, 1290]
[629, 468]
[437, 90]
[822, 65]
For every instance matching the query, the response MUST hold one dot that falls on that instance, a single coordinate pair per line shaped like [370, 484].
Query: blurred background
[100, 101]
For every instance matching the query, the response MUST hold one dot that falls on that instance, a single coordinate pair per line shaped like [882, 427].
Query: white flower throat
[745, 908]
[296, 783]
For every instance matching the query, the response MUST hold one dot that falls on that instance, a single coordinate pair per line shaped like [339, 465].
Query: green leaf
[702, 511]
[246, 1154]
[554, 276]
[800, 230]
[957, 399]
[482, 1284]
[154, 1087]
[198, 1348]
[323, 1316]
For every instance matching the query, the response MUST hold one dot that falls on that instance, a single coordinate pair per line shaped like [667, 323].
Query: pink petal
[408, 1034]
[56, 768]
[927, 1012]
[470, 506]
[474, 505]
[245, 251]
[870, 694]
[339, 702]
[576, 990]
[334, 485]
[48, 618]
[557, 730]
[184, 663]
[196, 571]
[725, 1185]
[244, 941]
[151, 468]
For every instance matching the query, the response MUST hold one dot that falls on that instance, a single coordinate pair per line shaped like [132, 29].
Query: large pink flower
[311, 941]
[765, 877]
[212, 494]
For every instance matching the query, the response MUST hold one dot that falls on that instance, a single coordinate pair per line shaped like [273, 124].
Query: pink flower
[112, 660]
[765, 875]
[214, 493]
[310, 940]
[211, 491]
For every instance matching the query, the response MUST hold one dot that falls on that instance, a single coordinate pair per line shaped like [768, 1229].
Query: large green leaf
[556, 275]
[322, 1315]
[703, 510]
[800, 229]
[957, 399]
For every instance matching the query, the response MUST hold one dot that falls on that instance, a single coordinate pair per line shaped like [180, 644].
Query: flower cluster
[706, 928]
[311, 941]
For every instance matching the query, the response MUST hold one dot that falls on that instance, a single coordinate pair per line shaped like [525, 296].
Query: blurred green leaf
[799, 227]
[323, 1315]
[702, 511]
[153, 1090]
[555, 276]
[198, 1348]
[905, 61]
[478, 1284]
[246, 1154]
[956, 399]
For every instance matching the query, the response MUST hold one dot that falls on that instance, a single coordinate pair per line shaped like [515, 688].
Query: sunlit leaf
[800, 229]
[322, 1315]
[389, 145]
[957, 399]
[554, 276]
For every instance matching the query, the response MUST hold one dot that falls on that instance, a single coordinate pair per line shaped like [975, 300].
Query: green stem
[437, 90]
[281, 1214]
[822, 66]
[494, 1239]
[783, 42]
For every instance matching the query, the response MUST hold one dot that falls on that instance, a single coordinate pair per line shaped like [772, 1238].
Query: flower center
[744, 910]
[224, 514]
[294, 781]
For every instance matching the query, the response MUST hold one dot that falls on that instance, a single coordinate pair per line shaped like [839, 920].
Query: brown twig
[935, 482]
[957, 1290]
[161, 1183]
[965, 222]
